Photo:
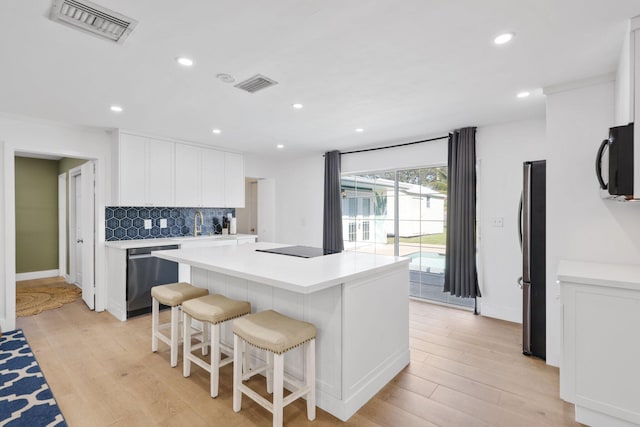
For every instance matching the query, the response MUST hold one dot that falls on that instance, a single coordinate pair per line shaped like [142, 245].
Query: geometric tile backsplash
[127, 223]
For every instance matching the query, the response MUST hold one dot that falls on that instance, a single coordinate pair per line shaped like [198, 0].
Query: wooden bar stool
[213, 310]
[276, 334]
[173, 295]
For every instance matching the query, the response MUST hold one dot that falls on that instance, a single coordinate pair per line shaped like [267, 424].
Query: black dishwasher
[145, 271]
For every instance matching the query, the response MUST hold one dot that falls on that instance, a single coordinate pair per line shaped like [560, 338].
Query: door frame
[73, 173]
[62, 225]
[7, 227]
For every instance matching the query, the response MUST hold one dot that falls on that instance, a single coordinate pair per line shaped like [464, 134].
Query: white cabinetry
[116, 253]
[188, 179]
[234, 180]
[158, 172]
[146, 174]
[600, 350]
[214, 178]
[200, 177]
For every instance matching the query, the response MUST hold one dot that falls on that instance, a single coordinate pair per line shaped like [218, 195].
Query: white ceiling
[401, 69]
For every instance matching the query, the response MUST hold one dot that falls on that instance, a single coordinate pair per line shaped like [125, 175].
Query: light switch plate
[163, 223]
[147, 224]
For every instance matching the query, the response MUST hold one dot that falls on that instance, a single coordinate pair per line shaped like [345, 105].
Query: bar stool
[173, 295]
[276, 334]
[211, 310]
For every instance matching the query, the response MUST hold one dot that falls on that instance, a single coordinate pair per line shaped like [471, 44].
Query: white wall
[581, 225]
[432, 153]
[300, 201]
[299, 188]
[500, 151]
[21, 134]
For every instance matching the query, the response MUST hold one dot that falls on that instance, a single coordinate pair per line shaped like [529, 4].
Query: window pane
[369, 205]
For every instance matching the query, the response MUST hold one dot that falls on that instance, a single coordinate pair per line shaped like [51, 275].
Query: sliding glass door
[401, 212]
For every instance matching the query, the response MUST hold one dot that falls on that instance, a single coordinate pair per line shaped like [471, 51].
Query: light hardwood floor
[465, 370]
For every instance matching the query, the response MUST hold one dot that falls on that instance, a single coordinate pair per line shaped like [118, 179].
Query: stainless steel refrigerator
[533, 242]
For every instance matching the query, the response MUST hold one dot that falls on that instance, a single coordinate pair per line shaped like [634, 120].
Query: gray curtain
[332, 229]
[460, 274]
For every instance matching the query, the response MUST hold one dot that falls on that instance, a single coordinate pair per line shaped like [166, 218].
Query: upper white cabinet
[628, 76]
[234, 180]
[200, 178]
[157, 172]
[188, 176]
[214, 178]
[146, 171]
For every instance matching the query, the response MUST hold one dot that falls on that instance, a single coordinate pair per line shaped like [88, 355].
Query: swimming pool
[429, 262]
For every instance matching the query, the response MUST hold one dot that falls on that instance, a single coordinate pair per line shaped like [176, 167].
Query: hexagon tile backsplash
[127, 223]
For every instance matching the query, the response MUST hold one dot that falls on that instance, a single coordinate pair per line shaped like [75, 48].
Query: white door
[82, 230]
[266, 210]
[79, 243]
[88, 232]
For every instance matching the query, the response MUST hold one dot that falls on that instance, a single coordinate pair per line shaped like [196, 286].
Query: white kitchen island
[358, 302]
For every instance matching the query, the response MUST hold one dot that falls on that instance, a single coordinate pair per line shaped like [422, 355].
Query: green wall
[64, 165]
[36, 214]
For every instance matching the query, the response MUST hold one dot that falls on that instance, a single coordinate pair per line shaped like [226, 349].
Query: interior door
[79, 243]
[87, 232]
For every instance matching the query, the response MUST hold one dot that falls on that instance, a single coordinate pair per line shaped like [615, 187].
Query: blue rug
[25, 396]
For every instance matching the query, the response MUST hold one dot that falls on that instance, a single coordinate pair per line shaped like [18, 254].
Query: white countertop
[301, 275]
[143, 243]
[598, 274]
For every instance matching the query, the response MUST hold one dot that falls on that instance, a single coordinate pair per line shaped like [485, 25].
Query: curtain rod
[396, 145]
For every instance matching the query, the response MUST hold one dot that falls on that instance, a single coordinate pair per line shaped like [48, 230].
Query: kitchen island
[358, 302]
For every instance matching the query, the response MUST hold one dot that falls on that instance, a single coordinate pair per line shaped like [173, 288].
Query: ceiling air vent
[256, 83]
[93, 19]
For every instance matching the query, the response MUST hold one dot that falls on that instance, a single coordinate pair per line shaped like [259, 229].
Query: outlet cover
[147, 224]
[497, 222]
[163, 223]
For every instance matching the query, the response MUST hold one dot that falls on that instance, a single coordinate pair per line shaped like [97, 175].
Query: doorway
[259, 214]
[41, 216]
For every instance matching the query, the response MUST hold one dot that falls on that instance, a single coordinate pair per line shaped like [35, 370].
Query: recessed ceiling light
[116, 108]
[184, 61]
[217, 131]
[280, 146]
[503, 38]
[359, 130]
[523, 94]
[297, 106]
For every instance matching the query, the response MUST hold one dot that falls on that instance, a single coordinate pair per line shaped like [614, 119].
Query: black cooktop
[300, 251]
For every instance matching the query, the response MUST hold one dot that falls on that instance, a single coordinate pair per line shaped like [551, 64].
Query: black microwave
[615, 159]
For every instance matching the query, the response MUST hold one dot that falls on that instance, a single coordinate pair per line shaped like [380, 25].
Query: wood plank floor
[465, 370]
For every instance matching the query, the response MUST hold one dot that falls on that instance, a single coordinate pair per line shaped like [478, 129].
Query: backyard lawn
[427, 239]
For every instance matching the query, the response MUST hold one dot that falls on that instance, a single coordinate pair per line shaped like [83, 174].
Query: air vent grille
[256, 83]
[92, 18]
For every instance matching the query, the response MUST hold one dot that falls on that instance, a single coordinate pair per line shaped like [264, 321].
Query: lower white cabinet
[116, 253]
[600, 347]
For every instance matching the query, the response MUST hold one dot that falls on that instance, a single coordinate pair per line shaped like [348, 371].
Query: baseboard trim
[37, 275]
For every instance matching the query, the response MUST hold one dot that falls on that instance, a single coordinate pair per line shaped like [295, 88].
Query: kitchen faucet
[197, 228]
